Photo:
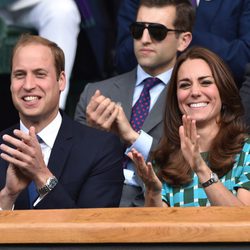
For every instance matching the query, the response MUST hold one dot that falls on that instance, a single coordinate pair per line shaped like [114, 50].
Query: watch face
[215, 177]
[52, 183]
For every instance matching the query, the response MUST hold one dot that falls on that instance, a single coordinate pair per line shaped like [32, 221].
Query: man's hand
[16, 182]
[26, 158]
[104, 114]
[101, 112]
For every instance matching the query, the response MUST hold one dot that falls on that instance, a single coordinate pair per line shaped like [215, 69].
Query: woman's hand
[145, 172]
[153, 184]
[190, 143]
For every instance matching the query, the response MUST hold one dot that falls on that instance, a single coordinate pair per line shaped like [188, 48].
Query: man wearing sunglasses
[221, 26]
[162, 29]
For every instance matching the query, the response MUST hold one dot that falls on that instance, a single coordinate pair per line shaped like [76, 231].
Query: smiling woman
[203, 157]
[198, 94]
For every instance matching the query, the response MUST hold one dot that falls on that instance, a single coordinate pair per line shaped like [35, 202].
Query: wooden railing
[126, 225]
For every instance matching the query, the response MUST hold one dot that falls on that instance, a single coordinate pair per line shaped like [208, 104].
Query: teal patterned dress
[193, 195]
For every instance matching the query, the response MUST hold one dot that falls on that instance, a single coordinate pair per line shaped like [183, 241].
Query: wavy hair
[168, 157]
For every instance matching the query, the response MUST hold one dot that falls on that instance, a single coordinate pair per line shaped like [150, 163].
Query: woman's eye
[206, 82]
[184, 85]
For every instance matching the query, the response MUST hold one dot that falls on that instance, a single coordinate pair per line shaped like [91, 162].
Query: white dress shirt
[48, 136]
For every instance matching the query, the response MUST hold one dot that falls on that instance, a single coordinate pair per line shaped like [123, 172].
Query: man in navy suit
[49, 161]
[221, 26]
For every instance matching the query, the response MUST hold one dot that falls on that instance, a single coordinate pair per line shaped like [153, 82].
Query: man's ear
[184, 41]
[62, 81]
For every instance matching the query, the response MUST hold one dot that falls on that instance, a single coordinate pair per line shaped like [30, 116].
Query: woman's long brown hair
[168, 157]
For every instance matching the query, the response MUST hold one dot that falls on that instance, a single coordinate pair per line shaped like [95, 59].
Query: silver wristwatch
[213, 179]
[50, 184]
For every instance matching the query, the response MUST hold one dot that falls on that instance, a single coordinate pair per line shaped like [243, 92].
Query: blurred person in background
[58, 21]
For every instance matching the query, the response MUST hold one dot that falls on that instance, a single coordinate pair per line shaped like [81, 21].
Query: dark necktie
[86, 13]
[33, 195]
[141, 108]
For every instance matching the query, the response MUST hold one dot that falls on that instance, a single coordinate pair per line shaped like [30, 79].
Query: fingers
[146, 172]
[188, 129]
[141, 166]
[12, 156]
[101, 111]
[139, 161]
[22, 149]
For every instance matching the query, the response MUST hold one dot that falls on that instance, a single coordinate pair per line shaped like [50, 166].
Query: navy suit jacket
[245, 95]
[224, 27]
[221, 26]
[87, 163]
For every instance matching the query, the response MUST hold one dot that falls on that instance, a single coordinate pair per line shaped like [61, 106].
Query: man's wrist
[7, 199]
[50, 184]
[1, 209]
[131, 137]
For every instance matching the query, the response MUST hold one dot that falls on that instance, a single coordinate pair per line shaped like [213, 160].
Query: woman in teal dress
[203, 158]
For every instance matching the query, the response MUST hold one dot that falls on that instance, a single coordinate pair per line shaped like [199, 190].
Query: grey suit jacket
[121, 89]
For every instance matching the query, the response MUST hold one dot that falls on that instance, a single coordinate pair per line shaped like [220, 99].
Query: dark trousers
[132, 196]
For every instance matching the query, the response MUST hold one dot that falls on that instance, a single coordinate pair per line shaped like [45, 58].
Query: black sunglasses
[156, 31]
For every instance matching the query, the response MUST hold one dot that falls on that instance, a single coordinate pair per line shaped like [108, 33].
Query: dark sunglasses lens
[158, 32]
[136, 30]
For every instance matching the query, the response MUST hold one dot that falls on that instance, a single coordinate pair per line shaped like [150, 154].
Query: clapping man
[49, 161]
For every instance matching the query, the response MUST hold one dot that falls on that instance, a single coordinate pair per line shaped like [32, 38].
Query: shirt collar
[142, 75]
[49, 133]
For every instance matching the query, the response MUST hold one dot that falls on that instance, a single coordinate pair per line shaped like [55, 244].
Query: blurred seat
[9, 35]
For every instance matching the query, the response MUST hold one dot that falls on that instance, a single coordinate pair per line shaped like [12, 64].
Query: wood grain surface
[126, 225]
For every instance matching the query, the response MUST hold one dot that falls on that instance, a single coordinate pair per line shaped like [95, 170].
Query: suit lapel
[61, 148]
[124, 91]
[58, 157]
[207, 9]
[155, 116]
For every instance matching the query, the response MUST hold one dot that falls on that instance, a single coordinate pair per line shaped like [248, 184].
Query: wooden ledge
[126, 225]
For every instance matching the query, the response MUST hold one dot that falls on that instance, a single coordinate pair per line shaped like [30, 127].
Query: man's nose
[29, 81]
[146, 38]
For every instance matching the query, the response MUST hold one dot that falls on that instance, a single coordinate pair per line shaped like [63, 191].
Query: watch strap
[213, 179]
[50, 184]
